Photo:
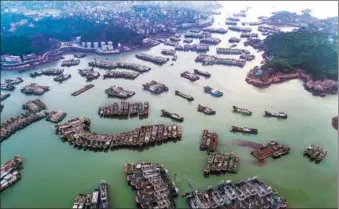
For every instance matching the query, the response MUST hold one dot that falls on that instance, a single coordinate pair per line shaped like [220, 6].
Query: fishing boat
[103, 202]
[242, 110]
[276, 114]
[202, 73]
[213, 92]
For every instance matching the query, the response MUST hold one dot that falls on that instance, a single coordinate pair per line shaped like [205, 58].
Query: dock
[271, 149]
[125, 110]
[209, 141]
[82, 90]
[218, 163]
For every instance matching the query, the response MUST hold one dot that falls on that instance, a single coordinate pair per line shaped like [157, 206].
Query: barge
[190, 76]
[155, 87]
[251, 193]
[89, 74]
[9, 84]
[173, 116]
[221, 163]
[125, 110]
[152, 183]
[150, 58]
[246, 130]
[10, 172]
[70, 62]
[185, 96]
[213, 92]
[202, 73]
[241, 110]
[56, 116]
[14, 81]
[82, 90]
[119, 92]
[275, 114]
[271, 149]
[120, 74]
[206, 110]
[315, 153]
[34, 106]
[61, 78]
[209, 141]
[77, 133]
[34, 89]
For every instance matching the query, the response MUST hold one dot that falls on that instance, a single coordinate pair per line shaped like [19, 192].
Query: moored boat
[213, 92]
[202, 73]
[275, 114]
[242, 110]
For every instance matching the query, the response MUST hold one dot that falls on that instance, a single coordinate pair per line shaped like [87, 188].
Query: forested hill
[313, 52]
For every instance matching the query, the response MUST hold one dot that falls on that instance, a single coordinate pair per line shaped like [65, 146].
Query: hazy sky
[320, 9]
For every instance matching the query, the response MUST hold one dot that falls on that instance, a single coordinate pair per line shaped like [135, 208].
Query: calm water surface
[54, 172]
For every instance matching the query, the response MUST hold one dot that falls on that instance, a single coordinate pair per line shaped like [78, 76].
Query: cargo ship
[241, 110]
[202, 73]
[246, 130]
[206, 110]
[174, 116]
[274, 114]
[185, 96]
[213, 92]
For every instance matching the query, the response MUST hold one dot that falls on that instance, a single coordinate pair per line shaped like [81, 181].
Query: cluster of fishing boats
[221, 163]
[62, 77]
[246, 130]
[70, 62]
[210, 40]
[271, 149]
[209, 141]
[212, 91]
[34, 106]
[9, 84]
[56, 116]
[82, 90]
[126, 109]
[174, 116]
[89, 74]
[315, 153]
[110, 65]
[97, 200]
[120, 74]
[213, 60]
[48, 72]
[252, 193]
[159, 60]
[119, 92]
[76, 132]
[192, 47]
[34, 89]
[10, 172]
[155, 87]
[152, 184]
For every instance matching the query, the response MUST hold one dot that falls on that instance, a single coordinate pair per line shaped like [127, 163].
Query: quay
[70, 62]
[275, 114]
[215, 30]
[89, 74]
[246, 130]
[315, 153]
[79, 55]
[34, 106]
[170, 52]
[119, 92]
[251, 193]
[4, 96]
[14, 124]
[211, 60]
[82, 90]
[271, 149]
[202, 73]
[98, 199]
[234, 40]
[240, 29]
[77, 133]
[62, 77]
[241, 110]
[173, 116]
[210, 40]
[48, 72]
[56, 116]
[221, 163]
[190, 76]
[206, 110]
[125, 110]
[155, 87]
[209, 141]
[110, 65]
[152, 183]
[193, 47]
[34, 89]
[213, 92]
[120, 74]
[10, 172]
[159, 60]
[185, 96]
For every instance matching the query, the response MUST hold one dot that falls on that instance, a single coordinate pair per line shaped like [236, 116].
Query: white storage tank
[89, 44]
[96, 45]
[83, 44]
[110, 43]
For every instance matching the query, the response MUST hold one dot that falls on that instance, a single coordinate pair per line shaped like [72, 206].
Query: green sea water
[54, 172]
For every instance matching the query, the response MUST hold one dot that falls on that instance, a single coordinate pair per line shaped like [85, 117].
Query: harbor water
[54, 172]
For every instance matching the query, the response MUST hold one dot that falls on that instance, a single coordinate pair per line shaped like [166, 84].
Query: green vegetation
[310, 51]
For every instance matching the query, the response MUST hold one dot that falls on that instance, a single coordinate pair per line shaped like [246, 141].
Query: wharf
[56, 116]
[70, 62]
[120, 74]
[10, 172]
[34, 89]
[246, 130]
[190, 76]
[185, 96]
[119, 92]
[212, 60]
[62, 77]
[173, 116]
[14, 124]
[152, 184]
[34, 106]
[110, 65]
[271, 149]
[77, 133]
[125, 110]
[206, 110]
[4, 96]
[315, 153]
[82, 90]
[221, 163]
[209, 141]
[251, 193]
[155, 87]
[89, 74]
[159, 60]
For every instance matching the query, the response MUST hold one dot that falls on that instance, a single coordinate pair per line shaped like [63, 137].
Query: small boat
[277, 115]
